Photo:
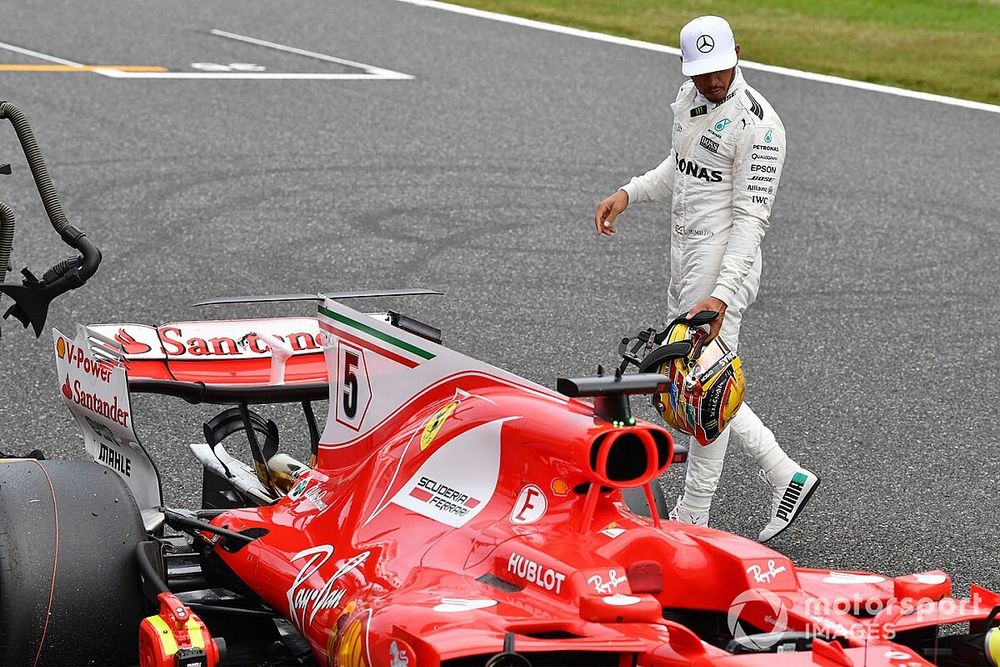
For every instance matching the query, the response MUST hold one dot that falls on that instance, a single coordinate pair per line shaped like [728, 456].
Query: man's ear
[737, 51]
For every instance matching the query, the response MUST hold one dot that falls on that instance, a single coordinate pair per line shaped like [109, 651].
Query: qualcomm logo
[764, 608]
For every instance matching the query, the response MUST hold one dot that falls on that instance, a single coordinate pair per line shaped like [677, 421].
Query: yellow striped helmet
[706, 386]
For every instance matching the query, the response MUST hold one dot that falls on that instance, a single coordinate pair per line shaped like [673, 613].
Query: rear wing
[224, 361]
[231, 362]
[228, 362]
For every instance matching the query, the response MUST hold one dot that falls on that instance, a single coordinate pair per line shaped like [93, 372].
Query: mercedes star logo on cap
[705, 44]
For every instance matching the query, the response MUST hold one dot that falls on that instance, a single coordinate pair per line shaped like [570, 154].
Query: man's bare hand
[608, 210]
[715, 305]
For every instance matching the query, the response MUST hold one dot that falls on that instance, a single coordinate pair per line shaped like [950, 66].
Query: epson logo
[692, 168]
[766, 168]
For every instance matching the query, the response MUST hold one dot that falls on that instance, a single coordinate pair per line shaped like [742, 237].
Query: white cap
[707, 45]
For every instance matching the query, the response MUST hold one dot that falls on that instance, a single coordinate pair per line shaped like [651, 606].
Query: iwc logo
[705, 44]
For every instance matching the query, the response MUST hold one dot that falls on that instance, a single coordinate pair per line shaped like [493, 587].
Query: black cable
[50, 199]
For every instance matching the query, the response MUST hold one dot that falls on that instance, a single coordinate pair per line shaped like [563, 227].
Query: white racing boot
[791, 487]
[790, 483]
[682, 514]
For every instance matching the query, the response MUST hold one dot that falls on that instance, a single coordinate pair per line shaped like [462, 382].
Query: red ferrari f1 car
[450, 514]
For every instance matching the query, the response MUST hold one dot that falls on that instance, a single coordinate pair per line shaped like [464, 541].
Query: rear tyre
[70, 592]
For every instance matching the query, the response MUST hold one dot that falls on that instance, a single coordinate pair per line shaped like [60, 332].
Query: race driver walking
[727, 150]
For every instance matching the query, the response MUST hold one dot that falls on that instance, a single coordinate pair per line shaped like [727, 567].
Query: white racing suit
[721, 176]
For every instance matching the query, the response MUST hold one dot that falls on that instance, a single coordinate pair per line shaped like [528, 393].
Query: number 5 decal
[354, 390]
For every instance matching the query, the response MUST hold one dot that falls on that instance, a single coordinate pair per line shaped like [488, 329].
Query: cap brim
[706, 65]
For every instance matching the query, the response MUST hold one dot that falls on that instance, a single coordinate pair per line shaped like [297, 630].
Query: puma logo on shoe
[791, 497]
[788, 499]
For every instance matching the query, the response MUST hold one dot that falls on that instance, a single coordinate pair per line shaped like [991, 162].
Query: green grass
[949, 47]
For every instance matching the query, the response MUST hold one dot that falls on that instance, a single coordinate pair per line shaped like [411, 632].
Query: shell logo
[351, 652]
[560, 487]
[61, 347]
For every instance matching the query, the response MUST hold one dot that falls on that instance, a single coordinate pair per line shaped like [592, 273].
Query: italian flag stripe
[372, 331]
[368, 345]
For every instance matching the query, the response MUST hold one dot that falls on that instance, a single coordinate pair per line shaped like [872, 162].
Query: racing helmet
[706, 386]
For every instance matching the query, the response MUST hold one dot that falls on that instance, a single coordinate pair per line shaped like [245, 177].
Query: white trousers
[704, 465]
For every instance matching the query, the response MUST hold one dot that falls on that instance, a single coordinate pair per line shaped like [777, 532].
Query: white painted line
[371, 73]
[297, 76]
[375, 71]
[41, 56]
[746, 64]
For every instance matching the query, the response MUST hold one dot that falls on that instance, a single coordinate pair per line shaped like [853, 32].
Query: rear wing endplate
[94, 385]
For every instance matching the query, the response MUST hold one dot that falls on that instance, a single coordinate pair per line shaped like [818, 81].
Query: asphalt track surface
[871, 352]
